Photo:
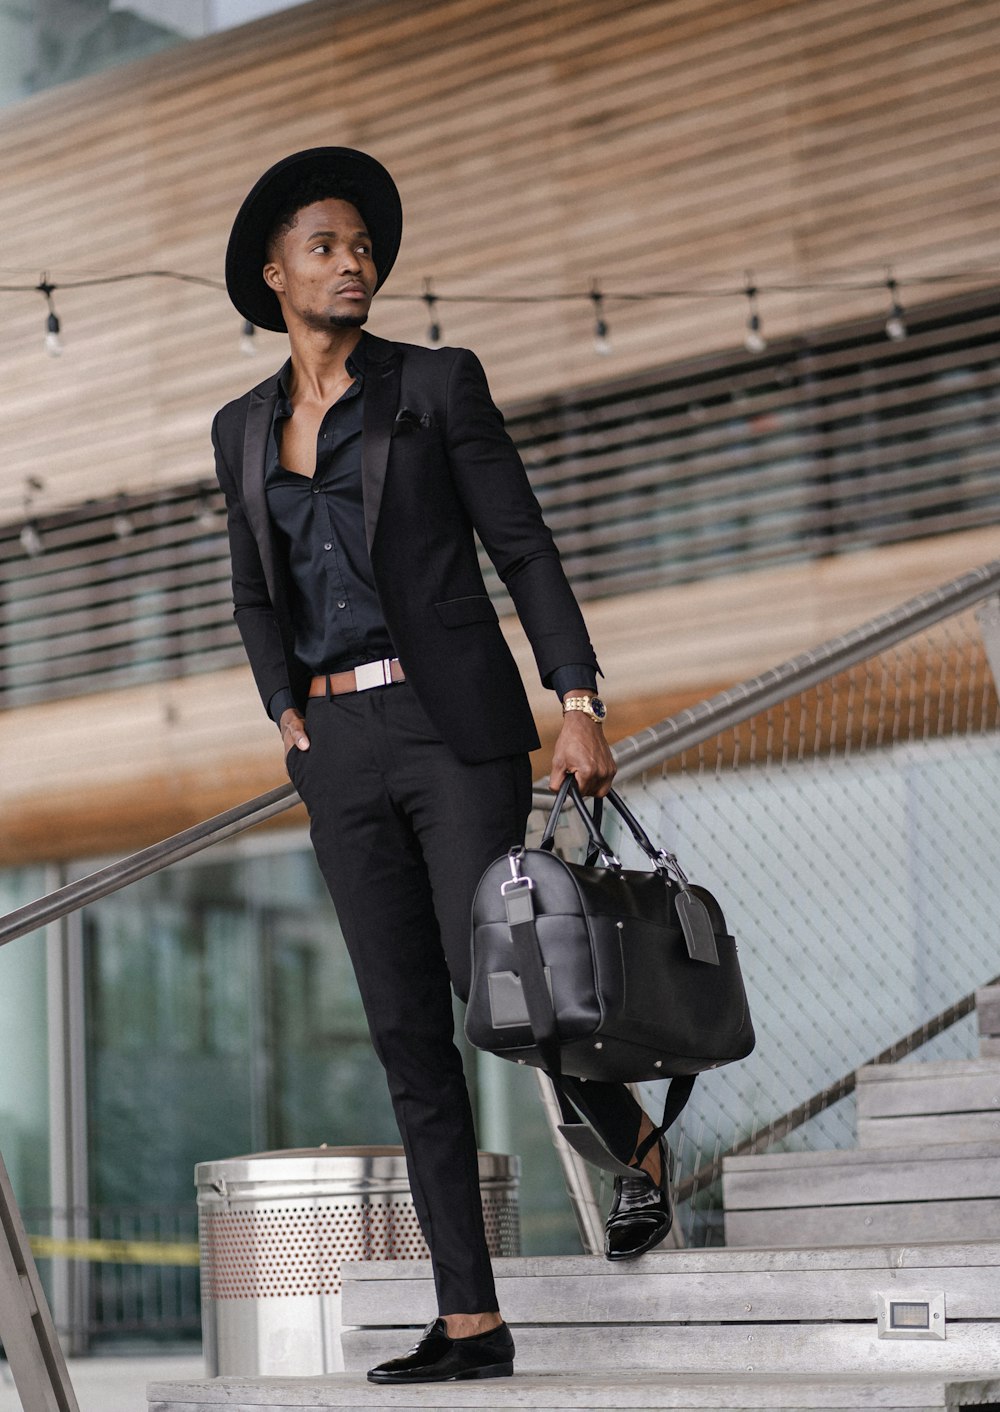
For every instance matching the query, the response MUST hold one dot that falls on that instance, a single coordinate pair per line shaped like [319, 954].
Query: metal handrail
[638, 753]
[633, 755]
[115, 876]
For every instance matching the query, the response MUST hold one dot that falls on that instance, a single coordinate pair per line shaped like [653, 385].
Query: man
[354, 479]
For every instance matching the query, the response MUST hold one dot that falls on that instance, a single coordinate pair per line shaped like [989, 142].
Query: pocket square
[406, 417]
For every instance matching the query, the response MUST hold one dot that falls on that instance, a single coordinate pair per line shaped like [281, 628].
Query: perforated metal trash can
[274, 1227]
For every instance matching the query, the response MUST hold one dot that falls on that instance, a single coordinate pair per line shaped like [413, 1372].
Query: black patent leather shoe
[641, 1213]
[438, 1358]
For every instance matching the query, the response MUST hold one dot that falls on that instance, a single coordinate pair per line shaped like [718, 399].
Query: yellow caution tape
[116, 1252]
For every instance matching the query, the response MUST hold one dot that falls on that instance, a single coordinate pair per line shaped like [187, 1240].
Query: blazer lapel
[255, 438]
[384, 360]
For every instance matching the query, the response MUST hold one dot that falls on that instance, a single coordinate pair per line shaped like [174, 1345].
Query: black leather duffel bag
[601, 972]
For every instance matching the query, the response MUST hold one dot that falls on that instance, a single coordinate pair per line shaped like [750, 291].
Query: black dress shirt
[338, 618]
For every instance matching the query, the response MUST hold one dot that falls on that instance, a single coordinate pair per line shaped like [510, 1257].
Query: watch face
[598, 707]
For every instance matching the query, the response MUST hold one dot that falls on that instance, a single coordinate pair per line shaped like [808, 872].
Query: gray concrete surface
[112, 1384]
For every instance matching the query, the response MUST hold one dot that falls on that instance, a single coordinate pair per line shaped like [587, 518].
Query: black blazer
[436, 465]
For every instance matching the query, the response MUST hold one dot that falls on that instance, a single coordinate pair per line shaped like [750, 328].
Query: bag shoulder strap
[583, 1139]
[520, 908]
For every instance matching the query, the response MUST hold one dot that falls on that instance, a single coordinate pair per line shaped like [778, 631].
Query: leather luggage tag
[696, 925]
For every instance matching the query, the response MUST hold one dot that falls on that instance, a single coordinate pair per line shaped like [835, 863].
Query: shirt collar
[355, 364]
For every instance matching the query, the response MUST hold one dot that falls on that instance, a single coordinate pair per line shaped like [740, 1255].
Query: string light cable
[751, 291]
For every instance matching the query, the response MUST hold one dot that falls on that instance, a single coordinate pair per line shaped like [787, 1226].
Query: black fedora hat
[377, 200]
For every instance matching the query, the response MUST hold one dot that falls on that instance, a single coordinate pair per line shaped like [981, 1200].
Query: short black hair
[306, 192]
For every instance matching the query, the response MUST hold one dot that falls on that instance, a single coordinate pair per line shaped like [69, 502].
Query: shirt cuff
[572, 678]
[279, 702]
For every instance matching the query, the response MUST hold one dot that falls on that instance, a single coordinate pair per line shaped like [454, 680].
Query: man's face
[322, 269]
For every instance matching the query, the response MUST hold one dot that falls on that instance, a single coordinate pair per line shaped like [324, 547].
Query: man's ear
[273, 277]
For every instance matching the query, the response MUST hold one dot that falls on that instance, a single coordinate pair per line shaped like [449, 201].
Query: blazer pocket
[458, 612]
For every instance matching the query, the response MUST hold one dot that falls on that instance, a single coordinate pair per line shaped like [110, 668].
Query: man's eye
[365, 249]
[323, 247]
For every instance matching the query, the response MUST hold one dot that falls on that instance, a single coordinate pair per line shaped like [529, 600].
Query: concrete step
[722, 1286]
[722, 1350]
[924, 1105]
[710, 1311]
[868, 1196]
[570, 1392]
[739, 1329]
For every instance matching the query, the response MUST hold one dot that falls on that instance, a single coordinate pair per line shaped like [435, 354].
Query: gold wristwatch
[591, 706]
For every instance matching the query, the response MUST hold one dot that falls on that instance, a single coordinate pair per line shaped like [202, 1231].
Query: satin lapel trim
[255, 438]
[381, 402]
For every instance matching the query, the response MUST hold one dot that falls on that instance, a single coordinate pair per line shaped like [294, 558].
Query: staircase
[873, 1282]
[687, 1329]
[927, 1165]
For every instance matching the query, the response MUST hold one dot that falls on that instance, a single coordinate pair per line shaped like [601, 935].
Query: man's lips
[353, 291]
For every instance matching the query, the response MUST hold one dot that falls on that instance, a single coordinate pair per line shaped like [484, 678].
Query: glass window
[223, 1018]
[48, 42]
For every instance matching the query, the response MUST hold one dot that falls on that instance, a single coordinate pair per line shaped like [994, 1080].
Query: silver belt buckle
[373, 674]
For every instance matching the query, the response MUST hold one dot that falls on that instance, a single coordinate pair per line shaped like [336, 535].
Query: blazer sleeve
[252, 606]
[493, 485]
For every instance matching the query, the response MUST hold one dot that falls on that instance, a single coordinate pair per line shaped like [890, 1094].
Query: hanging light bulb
[434, 328]
[53, 343]
[31, 540]
[895, 324]
[754, 340]
[121, 525]
[602, 342]
[248, 339]
[204, 516]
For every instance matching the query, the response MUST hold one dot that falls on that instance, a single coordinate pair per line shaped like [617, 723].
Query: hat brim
[246, 255]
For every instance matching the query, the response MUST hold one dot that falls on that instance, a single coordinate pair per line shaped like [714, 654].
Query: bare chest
[299, 433]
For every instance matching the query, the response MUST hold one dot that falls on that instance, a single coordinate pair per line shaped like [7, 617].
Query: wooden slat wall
[651, 143]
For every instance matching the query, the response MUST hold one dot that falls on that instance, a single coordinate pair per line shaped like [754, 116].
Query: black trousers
[402, 831]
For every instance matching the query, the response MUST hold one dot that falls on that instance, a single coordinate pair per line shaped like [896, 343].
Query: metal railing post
[68, 1175]
[29, 1336]
[589, 1220]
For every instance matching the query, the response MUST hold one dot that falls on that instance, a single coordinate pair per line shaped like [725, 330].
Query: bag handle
[598, 843]
[662, 861]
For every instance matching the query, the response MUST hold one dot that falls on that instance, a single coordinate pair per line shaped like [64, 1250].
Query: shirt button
[327, 546]
[342, 604]
[315, 490]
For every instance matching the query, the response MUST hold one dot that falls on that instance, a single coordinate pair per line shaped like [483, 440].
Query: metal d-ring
[516, 879]
[667, 863]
